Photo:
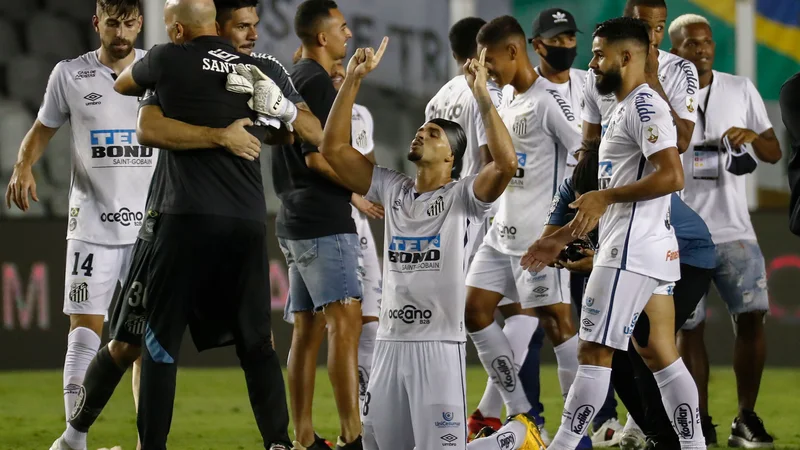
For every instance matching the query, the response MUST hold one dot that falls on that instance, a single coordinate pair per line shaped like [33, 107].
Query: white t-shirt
[425, 256]
[455, 102]
[637, 237]
[722, 203]
[678, 78]
[111, 172]
[542, 135]
[571, 94]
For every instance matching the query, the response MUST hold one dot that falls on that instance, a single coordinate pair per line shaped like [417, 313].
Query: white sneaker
[61, 444]
[632, 439]
[608, 435]
[544, 434]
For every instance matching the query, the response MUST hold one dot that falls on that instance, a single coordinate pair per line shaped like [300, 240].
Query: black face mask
[560, 58]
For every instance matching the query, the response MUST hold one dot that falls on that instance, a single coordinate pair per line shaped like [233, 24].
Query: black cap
[552, 22]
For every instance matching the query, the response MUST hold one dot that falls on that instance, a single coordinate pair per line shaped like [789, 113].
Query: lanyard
[701, 113]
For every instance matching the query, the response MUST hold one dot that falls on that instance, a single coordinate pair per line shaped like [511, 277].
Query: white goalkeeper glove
[266, 97]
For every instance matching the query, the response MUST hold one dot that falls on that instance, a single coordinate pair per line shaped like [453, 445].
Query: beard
[119, 52]
[609, 82]
[415, 154]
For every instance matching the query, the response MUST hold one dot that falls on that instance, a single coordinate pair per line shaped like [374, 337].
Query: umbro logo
[92, 98]
[587, 323]
[449, 438]
[559, 17]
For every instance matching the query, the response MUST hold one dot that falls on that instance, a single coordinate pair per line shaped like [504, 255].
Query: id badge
[706, 163]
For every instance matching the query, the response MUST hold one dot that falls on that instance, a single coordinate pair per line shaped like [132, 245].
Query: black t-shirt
[311, 205]
[189, 85]
[790, 112]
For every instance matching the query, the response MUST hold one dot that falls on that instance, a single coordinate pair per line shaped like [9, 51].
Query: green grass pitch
[212, 411]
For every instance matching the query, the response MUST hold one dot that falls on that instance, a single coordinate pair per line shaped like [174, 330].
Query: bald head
[188, 19]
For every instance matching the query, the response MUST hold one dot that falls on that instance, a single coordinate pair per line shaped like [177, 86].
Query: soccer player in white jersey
[455, 102]
[672, 77]
[416, 396]
[637, 260]
[728, 106]
[542, 137]
[110, 176]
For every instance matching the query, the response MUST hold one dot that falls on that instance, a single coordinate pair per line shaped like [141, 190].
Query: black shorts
[128, 319]
[692, 286]
[209, 273]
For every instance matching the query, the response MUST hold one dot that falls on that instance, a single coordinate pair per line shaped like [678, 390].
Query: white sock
[679, 394]
[82, 345]
[497, 358]
[518, 330]
[510, 437]
[585, 398]
[567, 358]
[366, 346]
[75, 439]
[630, 424]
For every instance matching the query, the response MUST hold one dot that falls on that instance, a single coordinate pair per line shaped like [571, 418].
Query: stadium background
[757, 38]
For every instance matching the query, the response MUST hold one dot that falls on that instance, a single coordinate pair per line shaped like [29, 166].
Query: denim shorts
[740, 278]
[321, 271]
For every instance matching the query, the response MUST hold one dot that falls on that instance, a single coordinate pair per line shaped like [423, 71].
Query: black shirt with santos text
[311, 205]
[189, 83]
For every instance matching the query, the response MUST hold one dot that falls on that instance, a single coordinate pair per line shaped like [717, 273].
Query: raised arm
[126, 85]
[353, 169]
[494, 176]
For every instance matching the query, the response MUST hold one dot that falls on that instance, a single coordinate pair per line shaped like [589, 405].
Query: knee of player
[748, 323]
[594, 354]
[255, 352]
[478, 315]
[123, 353]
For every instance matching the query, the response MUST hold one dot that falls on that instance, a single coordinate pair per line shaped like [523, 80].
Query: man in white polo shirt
[732, 131]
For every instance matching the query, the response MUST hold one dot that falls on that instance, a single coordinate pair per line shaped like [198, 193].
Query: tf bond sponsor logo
[124, 217]
[506, 441]
[581, 418]
[506, 373]
[519, 176]
[447, 421]
[118, 148]
[415, 254]
[683, 419]
[411, 314]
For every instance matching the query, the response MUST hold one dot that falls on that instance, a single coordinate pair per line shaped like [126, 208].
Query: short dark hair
[584, 177]
[630, 4]
[463, 37]
[624, 29]
[124, 8]
[308, 16]
[226, 7]
[499, 29]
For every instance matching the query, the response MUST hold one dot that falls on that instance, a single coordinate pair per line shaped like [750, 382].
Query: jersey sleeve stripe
[624, 263]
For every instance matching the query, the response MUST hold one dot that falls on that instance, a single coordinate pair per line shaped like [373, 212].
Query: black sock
[102, 377]
[262, 373]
